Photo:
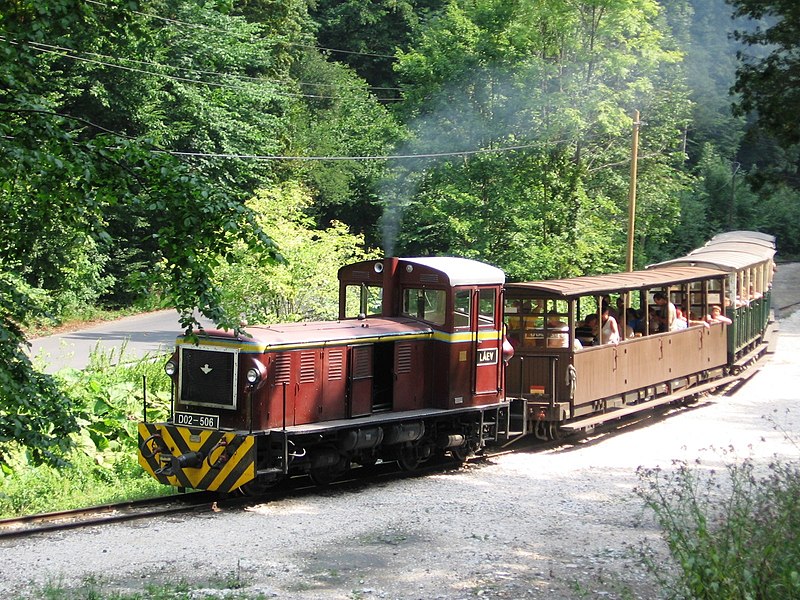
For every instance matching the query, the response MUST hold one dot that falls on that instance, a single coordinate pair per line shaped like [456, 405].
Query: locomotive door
[360, 376]
[486, 341]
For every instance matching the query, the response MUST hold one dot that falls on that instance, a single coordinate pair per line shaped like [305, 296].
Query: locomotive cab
[459, 299]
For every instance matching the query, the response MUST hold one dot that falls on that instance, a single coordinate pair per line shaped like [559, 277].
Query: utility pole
[736, 166]
[632, 191]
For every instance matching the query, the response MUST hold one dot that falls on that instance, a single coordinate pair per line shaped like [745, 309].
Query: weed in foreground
[733, 535]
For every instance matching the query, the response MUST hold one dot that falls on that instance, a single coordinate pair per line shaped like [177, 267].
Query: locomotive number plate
[196, 420]
[487, 356]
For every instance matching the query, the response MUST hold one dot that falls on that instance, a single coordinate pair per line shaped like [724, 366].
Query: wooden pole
[632, 191]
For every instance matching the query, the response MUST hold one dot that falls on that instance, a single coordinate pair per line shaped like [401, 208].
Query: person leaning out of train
[684, 321]
[716, 316]
[609, 330]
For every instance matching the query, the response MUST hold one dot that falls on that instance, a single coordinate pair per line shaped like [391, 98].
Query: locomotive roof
[596, 285]
[461, 271]
[314, 334]
[445, 270]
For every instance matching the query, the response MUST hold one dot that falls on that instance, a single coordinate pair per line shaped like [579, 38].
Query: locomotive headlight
[170, 368]
[253, 375]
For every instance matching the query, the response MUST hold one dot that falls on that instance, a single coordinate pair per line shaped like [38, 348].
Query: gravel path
[557, 525]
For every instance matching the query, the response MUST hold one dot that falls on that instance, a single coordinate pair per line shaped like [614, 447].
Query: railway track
[98, 515]
[199, 502]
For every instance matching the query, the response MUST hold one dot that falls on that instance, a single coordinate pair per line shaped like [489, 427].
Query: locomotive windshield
[425, 304]
[363, 299]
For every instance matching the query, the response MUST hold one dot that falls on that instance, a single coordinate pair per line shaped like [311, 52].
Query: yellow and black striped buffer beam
[224, 461]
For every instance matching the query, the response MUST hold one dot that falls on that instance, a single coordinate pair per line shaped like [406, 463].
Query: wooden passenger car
[554, 382]
[748, 259]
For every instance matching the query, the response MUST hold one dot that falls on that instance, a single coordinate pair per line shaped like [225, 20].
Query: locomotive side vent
[336, 365]
[208, 376]
[403, 364]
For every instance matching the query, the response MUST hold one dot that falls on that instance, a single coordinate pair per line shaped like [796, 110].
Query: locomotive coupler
[173, 464]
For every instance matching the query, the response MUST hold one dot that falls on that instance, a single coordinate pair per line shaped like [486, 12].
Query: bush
[736, 537]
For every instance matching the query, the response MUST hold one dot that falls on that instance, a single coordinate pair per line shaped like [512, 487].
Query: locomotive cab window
[363, 299]
[461, 308]
[425, 304]
[486, 307]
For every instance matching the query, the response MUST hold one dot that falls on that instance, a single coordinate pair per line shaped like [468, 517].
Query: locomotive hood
[289, 336]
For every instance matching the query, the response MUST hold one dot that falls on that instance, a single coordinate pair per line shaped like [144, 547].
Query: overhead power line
[267, 157]
[218, 30]
[76, 55]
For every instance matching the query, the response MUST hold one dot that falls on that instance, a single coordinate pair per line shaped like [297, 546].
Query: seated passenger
[609, 330]
[716, 316]
[634, 324]
[558, 331]
[587, 331]
[680, 321]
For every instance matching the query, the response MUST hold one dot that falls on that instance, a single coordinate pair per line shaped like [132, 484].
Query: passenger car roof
[597, 285]
[730, 251]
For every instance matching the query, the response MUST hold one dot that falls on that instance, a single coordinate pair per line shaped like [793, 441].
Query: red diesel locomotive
[413, 367]
[439, 355]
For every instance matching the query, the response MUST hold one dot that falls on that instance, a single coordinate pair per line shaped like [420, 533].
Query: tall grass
[107, 399]
[733, 535]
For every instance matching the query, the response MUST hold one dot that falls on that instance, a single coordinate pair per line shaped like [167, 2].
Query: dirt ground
[558, 524]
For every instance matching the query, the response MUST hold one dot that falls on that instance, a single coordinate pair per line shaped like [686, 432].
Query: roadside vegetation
[732, 534]
[100, 466]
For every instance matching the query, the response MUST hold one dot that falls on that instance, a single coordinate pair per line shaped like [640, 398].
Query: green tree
[558, 80]
[62, 175]
[367, 34]
[766, 84]
[342, 118]
[303, 287]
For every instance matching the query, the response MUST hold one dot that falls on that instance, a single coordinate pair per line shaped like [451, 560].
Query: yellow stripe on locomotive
[195, 458]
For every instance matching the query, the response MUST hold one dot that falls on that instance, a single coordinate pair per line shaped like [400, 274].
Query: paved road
[133, 336]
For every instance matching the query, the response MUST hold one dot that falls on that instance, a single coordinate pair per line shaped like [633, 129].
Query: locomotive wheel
[460, 453]
[464, 451]
[258, 486]
[408, 458]
[326, 475]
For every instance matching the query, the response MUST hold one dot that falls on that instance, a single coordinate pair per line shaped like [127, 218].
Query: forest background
[231, 155]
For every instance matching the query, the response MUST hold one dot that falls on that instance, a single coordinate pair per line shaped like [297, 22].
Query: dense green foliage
[183, 150]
